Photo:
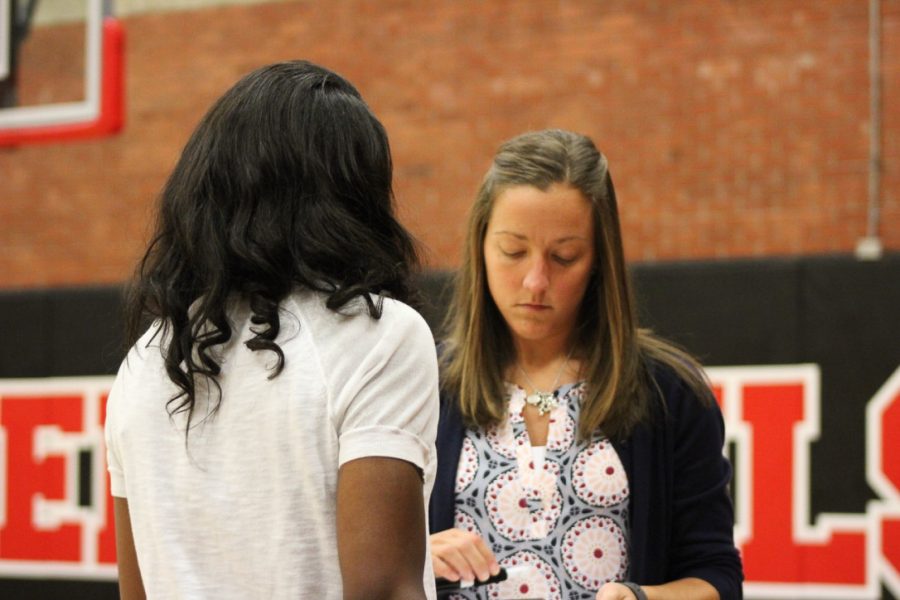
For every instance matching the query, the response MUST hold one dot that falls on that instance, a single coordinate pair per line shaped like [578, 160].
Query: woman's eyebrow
[568, 238]
[512, 233]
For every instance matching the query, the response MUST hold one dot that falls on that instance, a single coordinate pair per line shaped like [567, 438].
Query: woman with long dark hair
[271, 434]
[572, 444]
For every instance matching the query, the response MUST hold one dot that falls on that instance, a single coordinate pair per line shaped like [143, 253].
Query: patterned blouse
[565, 522]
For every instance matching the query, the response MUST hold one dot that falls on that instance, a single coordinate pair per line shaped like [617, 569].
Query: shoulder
[683, 405]
[311, 306]
[399, 325]
[677, 391]
[350, 337]
[146, 353]
[141, 376]
[401, 315]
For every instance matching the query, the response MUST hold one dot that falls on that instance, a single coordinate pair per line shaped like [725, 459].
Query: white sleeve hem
[385, 441]
[116, 484]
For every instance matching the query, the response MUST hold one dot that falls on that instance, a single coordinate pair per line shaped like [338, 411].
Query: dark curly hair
[286, 182]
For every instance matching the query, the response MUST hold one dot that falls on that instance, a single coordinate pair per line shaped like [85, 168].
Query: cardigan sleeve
[450, 435]
[702, 526]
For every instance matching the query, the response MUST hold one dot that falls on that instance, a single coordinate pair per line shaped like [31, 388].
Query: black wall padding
[851, 328]
[60, 332]
[726, 313]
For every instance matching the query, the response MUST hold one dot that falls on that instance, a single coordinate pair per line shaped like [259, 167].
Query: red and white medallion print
[501, 439]
[598, 476]
[519, 512]
[465, 522]
[561, 435]
[468, 466]
[537, 580]
[595, 552]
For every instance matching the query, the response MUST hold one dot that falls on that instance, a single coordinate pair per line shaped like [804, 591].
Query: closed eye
[563, 260]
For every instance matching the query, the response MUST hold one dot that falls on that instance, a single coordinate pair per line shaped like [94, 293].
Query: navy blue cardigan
[681, 516]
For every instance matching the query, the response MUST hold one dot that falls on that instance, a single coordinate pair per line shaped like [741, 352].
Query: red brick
[733, 129]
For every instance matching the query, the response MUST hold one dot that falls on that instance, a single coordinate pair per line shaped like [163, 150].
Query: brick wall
[734, 128]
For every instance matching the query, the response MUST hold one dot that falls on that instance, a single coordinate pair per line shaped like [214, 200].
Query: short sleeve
[388, 404]
[113, 458]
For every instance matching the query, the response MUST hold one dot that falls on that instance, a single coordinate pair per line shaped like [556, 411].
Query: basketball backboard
[61, 70]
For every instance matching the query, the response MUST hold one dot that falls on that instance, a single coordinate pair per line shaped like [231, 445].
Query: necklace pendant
[544, 401]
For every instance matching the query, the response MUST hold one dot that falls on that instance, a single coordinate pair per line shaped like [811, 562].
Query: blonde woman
[572, 444]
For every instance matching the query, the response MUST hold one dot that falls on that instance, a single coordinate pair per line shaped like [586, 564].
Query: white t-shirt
[247, 509]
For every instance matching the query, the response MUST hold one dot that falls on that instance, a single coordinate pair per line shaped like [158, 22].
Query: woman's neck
[539, 355]
[542, 366]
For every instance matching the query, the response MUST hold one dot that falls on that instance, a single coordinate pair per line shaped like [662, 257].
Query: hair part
[617, 355]
[285, 183]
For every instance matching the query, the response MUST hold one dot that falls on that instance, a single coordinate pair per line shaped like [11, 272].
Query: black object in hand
[445, 585]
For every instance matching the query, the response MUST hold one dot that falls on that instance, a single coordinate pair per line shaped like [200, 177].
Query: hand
[615, 591]
[458, 554]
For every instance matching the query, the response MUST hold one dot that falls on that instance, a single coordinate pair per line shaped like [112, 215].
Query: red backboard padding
[112, 99]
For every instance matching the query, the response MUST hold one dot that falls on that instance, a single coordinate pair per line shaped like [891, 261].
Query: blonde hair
[617, 356]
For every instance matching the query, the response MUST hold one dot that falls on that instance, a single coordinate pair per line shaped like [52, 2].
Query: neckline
[516, 394]
[561, 389]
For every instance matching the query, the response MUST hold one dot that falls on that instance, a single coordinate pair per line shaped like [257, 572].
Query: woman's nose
[536, 279]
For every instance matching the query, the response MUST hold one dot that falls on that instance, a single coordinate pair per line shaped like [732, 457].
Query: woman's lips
[534, 307]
